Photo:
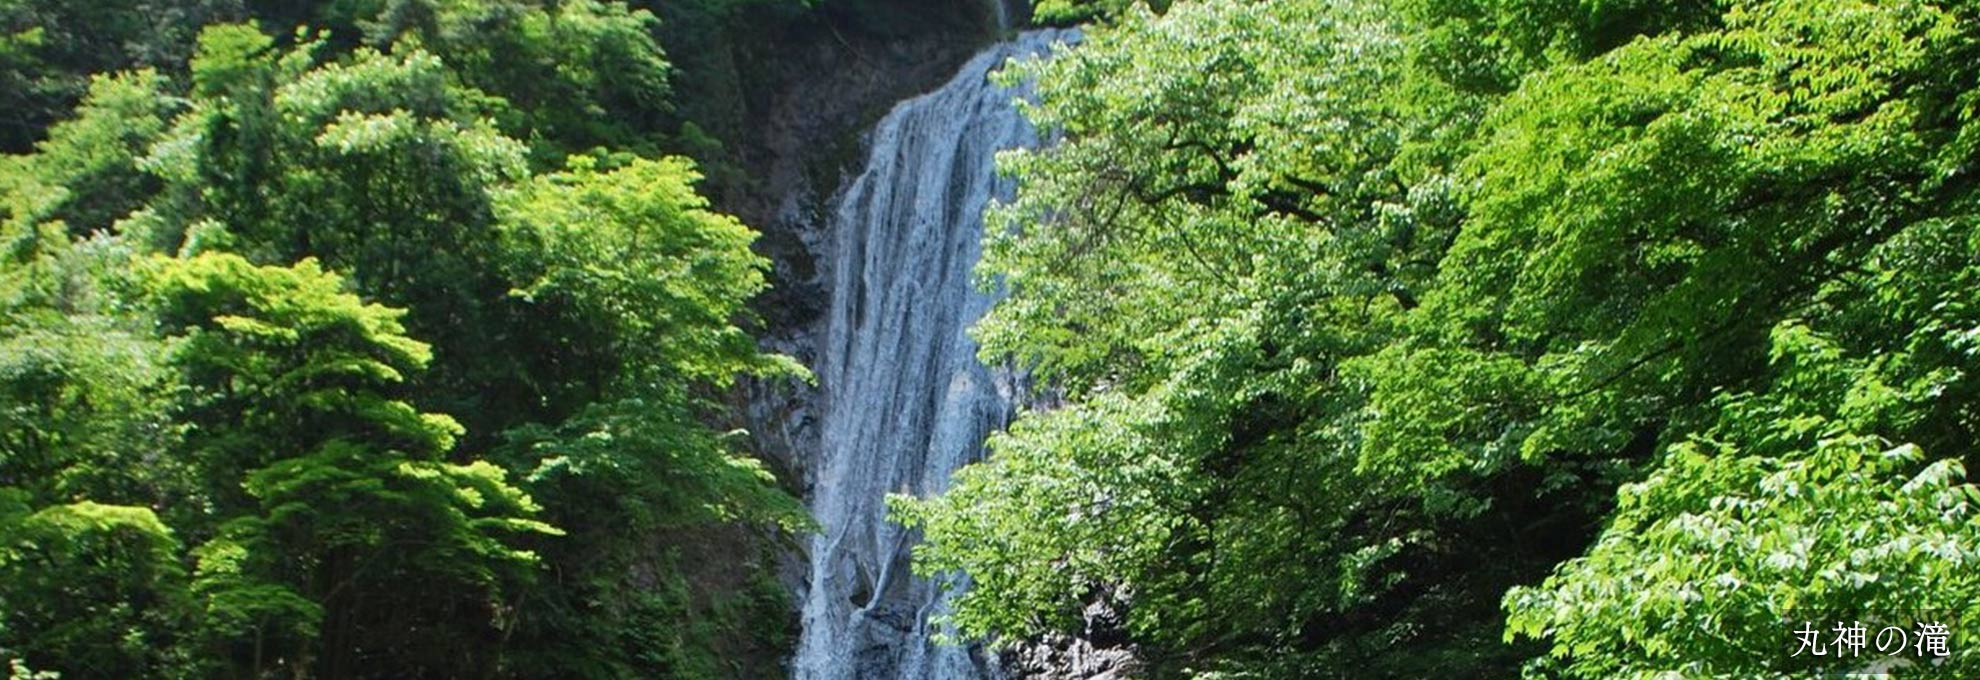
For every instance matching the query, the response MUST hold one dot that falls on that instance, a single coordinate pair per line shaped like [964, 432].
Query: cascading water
[906, 401]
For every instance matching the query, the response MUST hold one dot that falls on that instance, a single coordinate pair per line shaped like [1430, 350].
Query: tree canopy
[379, 354]
[1653, 320]
[1372, 338]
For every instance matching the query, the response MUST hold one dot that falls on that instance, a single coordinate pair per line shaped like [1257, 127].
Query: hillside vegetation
[370, 339]
[1451, 338]
[1384, 338]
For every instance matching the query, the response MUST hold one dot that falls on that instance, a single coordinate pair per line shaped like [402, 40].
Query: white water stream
[906, 402]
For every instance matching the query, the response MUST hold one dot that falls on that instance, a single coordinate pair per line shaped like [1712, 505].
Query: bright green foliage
[1845, 169]
[632, 259]
[375, 166]
[179, 363]
[89, 589]
[1782, 509]
[81, 408]
[345, 501]
[542, 294]
[50, 50]
[306, 354]
[1051, 11]
[1347, 358]
[665, 474]
[90, 579]
[634, 286]
[570, 75]
[1208, 265]
[1489, 44]
[606, 301]
[86, 173]
[1038, 500]
[678, 472]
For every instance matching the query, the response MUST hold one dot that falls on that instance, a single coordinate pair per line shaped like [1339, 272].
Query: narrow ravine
[906, 400]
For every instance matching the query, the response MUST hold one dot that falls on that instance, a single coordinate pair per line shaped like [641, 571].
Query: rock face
[1101, 651]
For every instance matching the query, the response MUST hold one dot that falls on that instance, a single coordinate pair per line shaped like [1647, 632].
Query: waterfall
[1010, 13]
[906, 401]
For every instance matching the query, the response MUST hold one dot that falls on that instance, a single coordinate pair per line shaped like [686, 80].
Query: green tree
[377, 166]
[631, 266]
[1227, 235]
[86, 174]
[82, 410]
[91, 583]
[587, 323]
[340, 523]
[1788, 507]
[565, 76]
[1345, 359]
[1070, 11]
[569, 299]
[634, 286]
[90, 590]
[50, 49]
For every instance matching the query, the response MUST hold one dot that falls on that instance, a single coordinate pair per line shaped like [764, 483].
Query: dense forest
[1450, 338]
[1372, 338]
[374, 339]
